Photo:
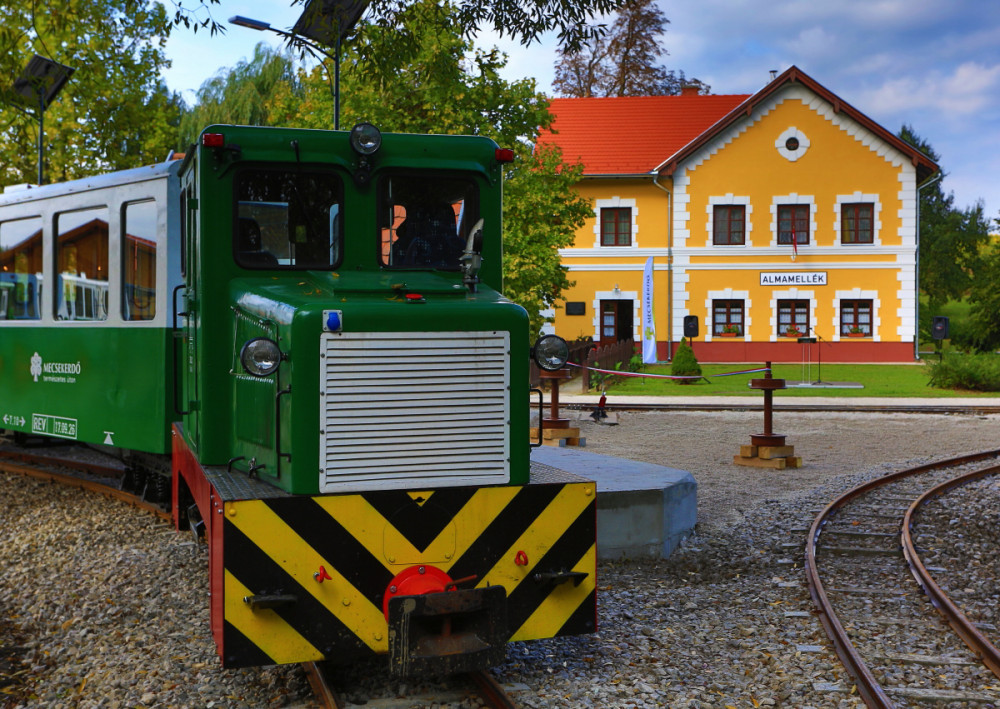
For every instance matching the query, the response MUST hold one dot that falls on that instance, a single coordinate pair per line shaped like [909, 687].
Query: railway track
[104, 480]
[862, 561]
[753, 405]
[472, 686]
[65, 470]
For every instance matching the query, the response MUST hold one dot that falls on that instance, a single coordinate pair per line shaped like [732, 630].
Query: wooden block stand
[559, 436]
[763, 457]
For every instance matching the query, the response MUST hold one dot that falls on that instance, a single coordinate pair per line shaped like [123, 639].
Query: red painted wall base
[853, 350]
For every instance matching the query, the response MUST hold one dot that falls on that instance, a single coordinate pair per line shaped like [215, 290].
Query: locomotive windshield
[425, 219]
[288, 219]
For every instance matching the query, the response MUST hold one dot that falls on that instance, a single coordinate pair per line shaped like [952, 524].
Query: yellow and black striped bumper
[304, 578]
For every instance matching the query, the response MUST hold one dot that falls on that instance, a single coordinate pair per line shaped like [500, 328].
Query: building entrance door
[616, 321]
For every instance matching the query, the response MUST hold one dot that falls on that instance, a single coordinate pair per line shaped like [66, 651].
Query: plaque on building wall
[793, 278]
[576, 308]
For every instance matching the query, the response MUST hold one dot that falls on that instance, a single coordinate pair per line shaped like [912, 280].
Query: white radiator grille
[413, 409]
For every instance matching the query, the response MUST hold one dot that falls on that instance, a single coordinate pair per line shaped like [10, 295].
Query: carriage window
[21, 269]
[139, 241]
[82, 265]
[424, 220]
[288, 219]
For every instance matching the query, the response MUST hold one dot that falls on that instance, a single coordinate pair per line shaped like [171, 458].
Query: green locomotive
[310, 324]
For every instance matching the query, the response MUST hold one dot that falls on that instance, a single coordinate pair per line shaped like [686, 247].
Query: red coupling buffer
[418, 580]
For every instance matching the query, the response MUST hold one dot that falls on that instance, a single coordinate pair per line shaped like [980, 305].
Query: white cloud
[967, 90]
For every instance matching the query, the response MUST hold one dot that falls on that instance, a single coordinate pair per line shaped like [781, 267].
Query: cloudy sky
[934, 65]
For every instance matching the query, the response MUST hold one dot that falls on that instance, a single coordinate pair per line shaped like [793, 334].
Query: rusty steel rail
[487, 688]
[321, 687]
[980, 646]
[754, 405]
[73, 481]
[491, 691]
[868, 687]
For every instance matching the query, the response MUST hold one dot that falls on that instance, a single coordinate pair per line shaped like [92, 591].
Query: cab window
[424, 219]
[288, 219]
[20, 269]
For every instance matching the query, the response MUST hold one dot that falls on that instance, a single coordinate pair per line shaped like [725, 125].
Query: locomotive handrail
[177, 379]
[277, 430]
[541, 414]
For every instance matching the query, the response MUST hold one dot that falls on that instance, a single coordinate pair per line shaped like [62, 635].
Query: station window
[793, 223]
[288, 219]
[616, 226]
[139, 244]
[424, 220]
[727, 317]
[82, 265]
[856, 317]
[21, 269]
[729, 224]
[793, 314]
[856, 223]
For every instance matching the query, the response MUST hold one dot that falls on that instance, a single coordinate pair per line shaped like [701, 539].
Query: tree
[542, 211]
[524, 20]
[101, 120]
[985, 300]
[625, 61]
[951, 239]
[258, 92]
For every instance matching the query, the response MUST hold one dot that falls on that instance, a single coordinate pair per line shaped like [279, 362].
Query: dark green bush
[967, 372]
[685, 364]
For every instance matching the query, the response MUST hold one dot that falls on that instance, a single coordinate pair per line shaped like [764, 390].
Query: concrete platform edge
[644, 510]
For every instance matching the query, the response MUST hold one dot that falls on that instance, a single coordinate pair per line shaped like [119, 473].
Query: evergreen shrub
[967, 372]
[685, 364]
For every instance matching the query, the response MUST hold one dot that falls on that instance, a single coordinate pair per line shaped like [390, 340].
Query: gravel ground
[101, 606]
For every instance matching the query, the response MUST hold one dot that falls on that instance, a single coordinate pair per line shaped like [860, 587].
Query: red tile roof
[631, 135]
[635, 135]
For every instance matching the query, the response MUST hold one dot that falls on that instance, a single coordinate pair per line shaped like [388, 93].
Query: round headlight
[365, 138]
[260, 356]
[550, 352]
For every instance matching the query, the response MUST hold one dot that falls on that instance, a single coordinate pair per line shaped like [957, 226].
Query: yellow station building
[770, 217]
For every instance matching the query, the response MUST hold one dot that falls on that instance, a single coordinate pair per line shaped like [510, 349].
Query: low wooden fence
[607, 357]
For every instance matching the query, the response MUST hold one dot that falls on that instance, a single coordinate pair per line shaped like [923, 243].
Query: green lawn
[878, 380]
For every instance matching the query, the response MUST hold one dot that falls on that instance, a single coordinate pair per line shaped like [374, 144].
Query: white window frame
[726, 201]
[615, 203]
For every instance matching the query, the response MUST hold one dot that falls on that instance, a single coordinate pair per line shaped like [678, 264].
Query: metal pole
[41, 135]
[336, 84]
[768, 403]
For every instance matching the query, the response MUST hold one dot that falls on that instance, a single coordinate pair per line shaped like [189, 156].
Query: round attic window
[792, 144]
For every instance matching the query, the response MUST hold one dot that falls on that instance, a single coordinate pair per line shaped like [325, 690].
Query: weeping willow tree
[261, 91]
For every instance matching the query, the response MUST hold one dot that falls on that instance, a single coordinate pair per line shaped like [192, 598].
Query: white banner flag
[648, 326]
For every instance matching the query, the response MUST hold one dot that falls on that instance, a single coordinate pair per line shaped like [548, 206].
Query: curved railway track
[861, 562]
[105, 480]
[971, 409]
[101, 479]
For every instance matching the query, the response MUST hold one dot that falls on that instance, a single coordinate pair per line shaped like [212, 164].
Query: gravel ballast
[105, 606]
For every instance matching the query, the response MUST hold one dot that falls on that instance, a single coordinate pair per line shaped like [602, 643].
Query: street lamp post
[297, 40]
[326, 21]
